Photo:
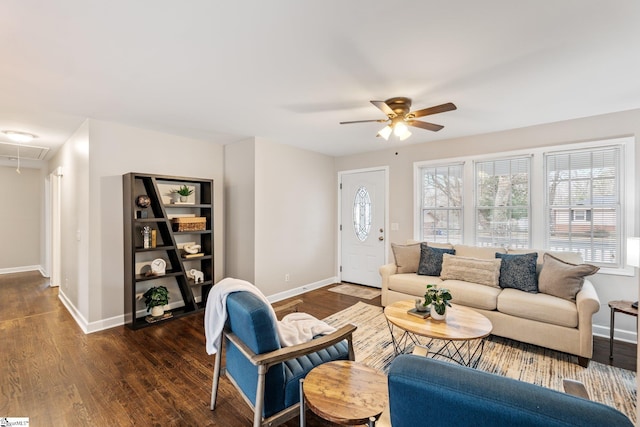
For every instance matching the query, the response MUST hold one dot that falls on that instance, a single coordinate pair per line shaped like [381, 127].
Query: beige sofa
[536, 318]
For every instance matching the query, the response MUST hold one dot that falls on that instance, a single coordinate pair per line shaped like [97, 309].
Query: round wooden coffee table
[344, 392]
[462, 327]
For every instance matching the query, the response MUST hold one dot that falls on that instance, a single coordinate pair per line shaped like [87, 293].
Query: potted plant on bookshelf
[183, 192]
[439, 299]
[156, 298]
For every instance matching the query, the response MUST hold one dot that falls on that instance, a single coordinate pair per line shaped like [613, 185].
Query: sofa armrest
[587, 302]
[386, 271]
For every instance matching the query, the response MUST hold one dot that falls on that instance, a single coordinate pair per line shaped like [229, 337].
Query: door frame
[384, 169]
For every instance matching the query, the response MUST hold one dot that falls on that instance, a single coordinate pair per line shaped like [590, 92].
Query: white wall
[97, 259]
[400, 159]
[239, 220]
[73, 156]
[21, 203]
[280, 216]
[295, 224]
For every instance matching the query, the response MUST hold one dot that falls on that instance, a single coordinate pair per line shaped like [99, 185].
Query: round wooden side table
[618, 307]
[344, 392]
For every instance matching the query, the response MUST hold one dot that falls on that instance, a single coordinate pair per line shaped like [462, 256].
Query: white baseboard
[619, 334]
[301, 290]
[23, 269]
[102, 324]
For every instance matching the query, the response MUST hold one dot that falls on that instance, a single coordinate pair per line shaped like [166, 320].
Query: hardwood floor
[53, 373]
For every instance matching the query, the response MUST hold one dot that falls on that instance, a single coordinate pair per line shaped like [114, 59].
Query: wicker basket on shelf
[189, 224]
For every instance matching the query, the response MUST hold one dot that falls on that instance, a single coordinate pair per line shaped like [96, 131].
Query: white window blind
[583, 204]
[441, 212]
[503, 202]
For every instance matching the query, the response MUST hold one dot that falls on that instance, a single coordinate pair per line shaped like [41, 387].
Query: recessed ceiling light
[17, 136]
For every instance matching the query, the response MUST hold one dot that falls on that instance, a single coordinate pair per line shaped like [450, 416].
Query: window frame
[538, 219]
[418, 220]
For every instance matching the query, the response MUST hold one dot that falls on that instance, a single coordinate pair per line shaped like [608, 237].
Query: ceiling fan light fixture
[405, 135]
[17, 136]
[385, 132]
[401, 131]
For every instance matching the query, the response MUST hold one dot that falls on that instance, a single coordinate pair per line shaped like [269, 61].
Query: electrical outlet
[286, 277]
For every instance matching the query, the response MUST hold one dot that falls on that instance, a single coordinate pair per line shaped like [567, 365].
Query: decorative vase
[157, 311]
[183, 198]
[436, 316]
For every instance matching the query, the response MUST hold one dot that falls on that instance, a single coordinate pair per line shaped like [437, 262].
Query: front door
[362, 226]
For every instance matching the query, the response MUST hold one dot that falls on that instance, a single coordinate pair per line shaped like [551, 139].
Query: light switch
[395, 226]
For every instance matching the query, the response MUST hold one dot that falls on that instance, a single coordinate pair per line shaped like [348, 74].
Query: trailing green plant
[438, 298]
[156, 296]
[183, 191]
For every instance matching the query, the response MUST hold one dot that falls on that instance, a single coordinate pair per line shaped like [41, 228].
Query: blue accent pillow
[519, 272]
[431, 260]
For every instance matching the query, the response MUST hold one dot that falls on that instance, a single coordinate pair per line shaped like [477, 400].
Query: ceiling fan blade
[384, 108]
[424, 125]
[434, 110]
[364, 121]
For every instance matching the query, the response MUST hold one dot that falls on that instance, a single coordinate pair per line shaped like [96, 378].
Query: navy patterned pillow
[431, 260]
[519, 272]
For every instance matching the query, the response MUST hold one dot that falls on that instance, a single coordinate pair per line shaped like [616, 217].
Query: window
[576, 197]
[583, 203]
[502, 202]
[441, 204]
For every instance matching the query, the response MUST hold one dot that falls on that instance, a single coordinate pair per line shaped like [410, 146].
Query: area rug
[606, 384]
[356, 291]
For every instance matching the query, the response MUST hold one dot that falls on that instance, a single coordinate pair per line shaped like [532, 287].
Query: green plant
[156, 296]
[438, 298]
[183, 191]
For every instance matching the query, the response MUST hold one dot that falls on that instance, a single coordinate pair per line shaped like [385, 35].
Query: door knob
[381, 238]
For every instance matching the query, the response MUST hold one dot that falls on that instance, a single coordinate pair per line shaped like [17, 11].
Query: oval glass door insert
[362, 214]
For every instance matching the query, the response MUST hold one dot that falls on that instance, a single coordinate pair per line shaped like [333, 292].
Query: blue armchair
[266, 374]
[426, 391]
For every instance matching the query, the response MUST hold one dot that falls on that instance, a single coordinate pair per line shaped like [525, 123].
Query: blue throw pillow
[431, 260]
[519, 272]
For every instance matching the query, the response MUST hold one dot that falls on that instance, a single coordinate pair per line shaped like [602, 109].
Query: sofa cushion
[483, 271]
[519, 271]
[477, 251]
[570, 257]
[431, 260]
[471, 294]
[411, 283]
[539, 307]
[407, 257]
[562, 279]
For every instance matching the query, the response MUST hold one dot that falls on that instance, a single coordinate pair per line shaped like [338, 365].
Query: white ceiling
[291, 70]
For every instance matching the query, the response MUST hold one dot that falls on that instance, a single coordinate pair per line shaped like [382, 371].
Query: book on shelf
[420, 314]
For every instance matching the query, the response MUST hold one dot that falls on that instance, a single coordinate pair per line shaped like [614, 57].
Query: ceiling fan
[399, 115]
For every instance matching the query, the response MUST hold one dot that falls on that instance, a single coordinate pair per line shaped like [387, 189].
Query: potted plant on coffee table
[156, 298]
[439, 299]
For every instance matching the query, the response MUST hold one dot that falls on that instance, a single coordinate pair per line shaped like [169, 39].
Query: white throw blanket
[294, 328]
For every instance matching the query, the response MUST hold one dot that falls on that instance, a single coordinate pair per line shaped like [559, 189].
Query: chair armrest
[287, 353]
[291, 306]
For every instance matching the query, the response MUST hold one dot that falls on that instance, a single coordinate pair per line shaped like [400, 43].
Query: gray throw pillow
[519, 272]
[561, 279]
[407, 257]
[431, 260]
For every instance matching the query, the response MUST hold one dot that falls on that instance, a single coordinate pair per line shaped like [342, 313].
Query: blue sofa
[424, 391]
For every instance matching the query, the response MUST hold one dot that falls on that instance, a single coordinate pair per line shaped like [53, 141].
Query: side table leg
[303, 420]
[372, 422]
[611, 329]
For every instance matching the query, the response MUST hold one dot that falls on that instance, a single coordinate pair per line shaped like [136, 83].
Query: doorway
[362, 229]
